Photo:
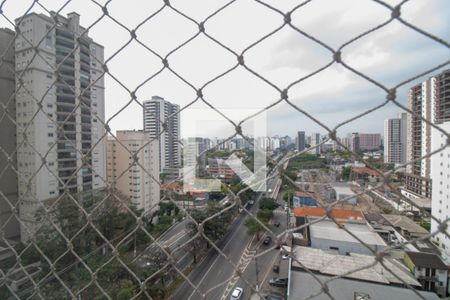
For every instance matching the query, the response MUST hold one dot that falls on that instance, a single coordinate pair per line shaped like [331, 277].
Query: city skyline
[346, 95]
[140, 183]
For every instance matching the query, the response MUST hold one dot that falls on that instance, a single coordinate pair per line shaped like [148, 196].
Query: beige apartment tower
[62, 145]
[137, 182]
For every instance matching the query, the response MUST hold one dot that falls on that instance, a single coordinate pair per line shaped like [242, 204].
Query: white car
[237, 293]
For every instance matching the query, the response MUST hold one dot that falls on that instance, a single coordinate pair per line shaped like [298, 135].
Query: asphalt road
[213, 274]
[260, 272]
[173, 237]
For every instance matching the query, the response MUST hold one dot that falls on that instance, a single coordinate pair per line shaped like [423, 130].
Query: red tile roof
[336, 213]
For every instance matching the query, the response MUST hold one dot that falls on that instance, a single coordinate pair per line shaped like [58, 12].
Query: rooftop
[303, 286]
[429, 260]
[303, 194]
[328, 263]
[405, 223]
[342, 188]
[365, 170]
[327, 229]
[336, 213]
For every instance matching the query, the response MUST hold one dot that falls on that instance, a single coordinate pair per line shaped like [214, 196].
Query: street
[214, 273]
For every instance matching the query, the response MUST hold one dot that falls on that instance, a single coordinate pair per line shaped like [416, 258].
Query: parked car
[237, 294]
[275, 281]
[267, 240]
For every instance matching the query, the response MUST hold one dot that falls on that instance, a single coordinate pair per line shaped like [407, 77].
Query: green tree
[254, 227]
[264, 215]
[346, 173]
[267, 203]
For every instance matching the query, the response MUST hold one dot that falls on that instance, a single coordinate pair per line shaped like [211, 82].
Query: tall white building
[440, 175]
[194, 154]
[66, 131]
[136, 184]
[157, 112]
[395, 139]
[315, 140]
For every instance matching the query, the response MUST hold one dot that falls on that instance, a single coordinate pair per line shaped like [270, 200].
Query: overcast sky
[389, 55]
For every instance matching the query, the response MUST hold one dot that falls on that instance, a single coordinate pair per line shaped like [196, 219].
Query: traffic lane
[265, 264]
[234, 250]
[200, 272]
[263, 273]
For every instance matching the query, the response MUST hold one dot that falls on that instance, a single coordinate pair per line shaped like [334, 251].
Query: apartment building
[136, 181]
[395, 139]
[157, 112]
[369, 141]
[194, 154]
[355, 142]
[315, 140]
[9, 224]
[429, 100]
[301, 141]
[65, 133]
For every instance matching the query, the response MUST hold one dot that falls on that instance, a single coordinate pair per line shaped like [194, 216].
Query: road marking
[268, 269]
[245, 260]
[212, 265]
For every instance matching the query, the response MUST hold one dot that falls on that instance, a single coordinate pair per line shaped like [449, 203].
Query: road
[213, 274]
[171, 238]
[259, 272]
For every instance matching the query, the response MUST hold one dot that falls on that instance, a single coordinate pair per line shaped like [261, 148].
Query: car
[275, 281]
[276, 268]
[251, 202]
[267, 240]
[237, 294]
[286, 208]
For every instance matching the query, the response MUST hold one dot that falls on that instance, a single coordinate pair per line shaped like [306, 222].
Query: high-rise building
[369, 141]
[346, 142]
[355, 142]
[440, 174]
[395, 139]
[66, 131]
[194, 154]
[139, 183]
[429, 100]
[301, 140]
[440, 197]
[315, 140]
[157, 112]
[8, 161]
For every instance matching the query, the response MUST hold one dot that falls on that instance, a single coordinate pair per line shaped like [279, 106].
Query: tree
[288, 196]
[264, 215]
[267, 203]
[346, 173]
[254, 227]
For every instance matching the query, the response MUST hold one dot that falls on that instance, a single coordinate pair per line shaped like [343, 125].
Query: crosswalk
[245, 260]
